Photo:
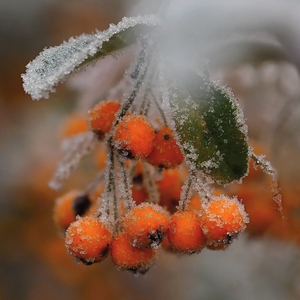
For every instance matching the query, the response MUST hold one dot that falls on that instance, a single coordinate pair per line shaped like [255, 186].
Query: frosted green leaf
[55, 64]
[211, 129]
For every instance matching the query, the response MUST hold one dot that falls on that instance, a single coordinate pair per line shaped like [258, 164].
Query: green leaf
[211, 129]
[55, 64]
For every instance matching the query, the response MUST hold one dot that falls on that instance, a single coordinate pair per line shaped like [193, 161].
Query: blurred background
[263, 264]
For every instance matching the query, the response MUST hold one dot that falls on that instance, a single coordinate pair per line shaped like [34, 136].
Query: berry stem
[108, 198]
[158, 106]
[128, 102]
[146, 103]
[259, 161]
[129, 203]
[185, 194]
[111, 179]
[202, 185]
[150, 184]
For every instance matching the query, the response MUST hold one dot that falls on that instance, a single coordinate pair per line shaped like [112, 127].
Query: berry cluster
[158, 203]
[155, 189]
[168, 137]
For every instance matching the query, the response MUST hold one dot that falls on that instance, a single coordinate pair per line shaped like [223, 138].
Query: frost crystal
[78, 147]
[55, 64]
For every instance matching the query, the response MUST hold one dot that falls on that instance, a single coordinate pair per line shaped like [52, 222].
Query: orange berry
[166, 245]
[74, 124]
[146, 225]
[223, 219]
[100, 157]
[88, 239]
[195, 203]
[63, 212]
[139, 194]
[185, 234]
[102, 116]
[165, 153]
[133, 137]
[169, 188]
[262, 215]
[137, 176]
[127, 257]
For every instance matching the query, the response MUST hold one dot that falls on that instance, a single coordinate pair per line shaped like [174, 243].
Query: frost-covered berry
[165, 153]
[146, 225]
[88, 239]
[185, 234]
[133, 136]
[169, 188]
[74, 124]
[139, 194]
[63, 212]
[127, 257]
[102, 116]
[223, 219]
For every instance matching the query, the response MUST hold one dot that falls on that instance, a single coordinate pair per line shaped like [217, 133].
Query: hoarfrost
[55, 64]
[124, 188]
[150, 184]
[202, 184]
[266, 166]
[74, 149]
[186, 193]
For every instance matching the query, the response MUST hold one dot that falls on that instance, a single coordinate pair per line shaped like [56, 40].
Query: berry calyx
[223, 219]
[166, 152]
[185, 234]
[81, 204]
[127, 257]
[133, 137]
[146, 225]
[88, 239]
[217, 246]
[102, 116]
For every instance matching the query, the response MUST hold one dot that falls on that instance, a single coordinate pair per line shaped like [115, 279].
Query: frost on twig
[78, 147]
[262, 163]
[55, 64]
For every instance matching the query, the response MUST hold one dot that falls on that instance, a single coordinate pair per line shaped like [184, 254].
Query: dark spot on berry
[81, 204]
[100, 135]
[134, 270]
[139, 270]
[166, 137]
[161, 166]
[156, 237]
[138, 179]
[86, 263]
[229, 239]
[104, 252]
[126, 154]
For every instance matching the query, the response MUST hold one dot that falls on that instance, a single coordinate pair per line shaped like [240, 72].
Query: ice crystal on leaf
[156, 92]
[55, 64]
